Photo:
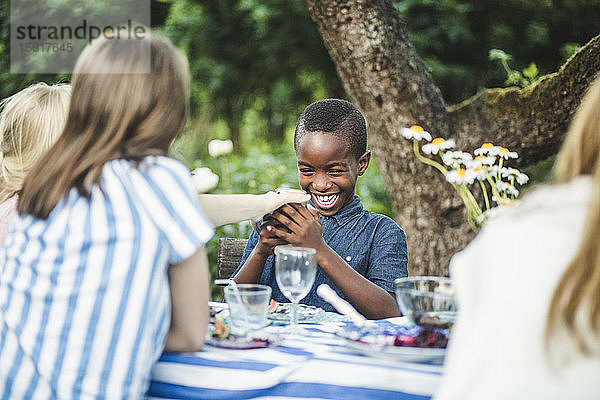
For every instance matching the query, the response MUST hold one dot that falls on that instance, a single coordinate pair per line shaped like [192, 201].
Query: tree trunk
[232, 118]
[383, 76]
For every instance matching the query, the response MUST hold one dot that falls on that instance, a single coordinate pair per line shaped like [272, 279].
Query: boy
[359, 252]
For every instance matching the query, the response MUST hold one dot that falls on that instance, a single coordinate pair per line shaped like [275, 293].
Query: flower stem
[500, 163]
[485, 195]
[473, 209]
[495, 191]
[426, 160]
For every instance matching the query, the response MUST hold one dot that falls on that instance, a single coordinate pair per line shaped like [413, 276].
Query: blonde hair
[30, 122]
[576, 301]
[129, 100]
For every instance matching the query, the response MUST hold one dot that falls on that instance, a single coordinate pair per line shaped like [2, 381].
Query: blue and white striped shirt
[84, 295]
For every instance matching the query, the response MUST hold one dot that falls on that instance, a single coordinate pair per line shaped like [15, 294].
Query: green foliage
[539, 173]
[531, 72]
[523, 79]
[568, 49]
[371, 189]
[453, 38]
[11, 83]
[252, 55]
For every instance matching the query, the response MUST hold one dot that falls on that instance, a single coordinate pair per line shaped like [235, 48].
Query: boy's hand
[277, 198]
[267, 239]
[298, 225]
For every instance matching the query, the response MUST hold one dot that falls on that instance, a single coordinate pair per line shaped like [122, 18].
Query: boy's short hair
[337, 117]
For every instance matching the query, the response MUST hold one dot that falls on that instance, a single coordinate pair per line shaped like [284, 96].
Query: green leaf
[531, 72]
[514, 78]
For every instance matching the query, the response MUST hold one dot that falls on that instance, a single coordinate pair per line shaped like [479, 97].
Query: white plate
[399, 353]
[380, 341]
[244, 342]
[284, 312]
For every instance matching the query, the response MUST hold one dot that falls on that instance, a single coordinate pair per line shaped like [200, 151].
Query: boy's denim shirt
[372, 244]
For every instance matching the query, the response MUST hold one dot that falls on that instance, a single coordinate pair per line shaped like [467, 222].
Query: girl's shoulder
[150, 166]
[153, 174]
[163, 162]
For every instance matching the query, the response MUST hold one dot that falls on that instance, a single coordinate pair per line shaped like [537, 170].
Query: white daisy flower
[461, 169]
[501, 186]
[437, 145]
[475, 163]
[486, 148]
[505, 187]
[493, 170]
[204, 179]
[506, 172]
[506, 154]
[218, 148]
[485, 160]
[415, 132]
[460, 176]
[455, 158]
[479, 172]
[502, 200]
[520, 177]
[513, 191]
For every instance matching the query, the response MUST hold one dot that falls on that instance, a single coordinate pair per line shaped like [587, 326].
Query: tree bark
[530, 121]
[387, 80]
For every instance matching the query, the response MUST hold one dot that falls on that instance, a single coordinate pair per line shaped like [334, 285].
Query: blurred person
[105, 265]
[528, 286]
[30, 122]
[359, 253]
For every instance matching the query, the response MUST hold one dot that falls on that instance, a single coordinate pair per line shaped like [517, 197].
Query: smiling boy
[359, 253]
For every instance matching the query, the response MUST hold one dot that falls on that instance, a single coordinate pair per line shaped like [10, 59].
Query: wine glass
[295, 270]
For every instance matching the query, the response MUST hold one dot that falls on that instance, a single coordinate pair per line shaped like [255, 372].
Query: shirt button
[348, 258]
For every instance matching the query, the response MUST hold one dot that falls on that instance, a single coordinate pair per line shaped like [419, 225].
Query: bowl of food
[427, 300]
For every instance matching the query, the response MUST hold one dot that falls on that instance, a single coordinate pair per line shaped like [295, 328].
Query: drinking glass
[248, 305]
[426, 300]
[295, 270]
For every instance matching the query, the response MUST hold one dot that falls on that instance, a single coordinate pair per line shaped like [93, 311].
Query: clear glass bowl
[427, 300]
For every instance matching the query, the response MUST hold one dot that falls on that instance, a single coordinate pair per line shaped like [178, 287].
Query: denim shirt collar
[355, 207]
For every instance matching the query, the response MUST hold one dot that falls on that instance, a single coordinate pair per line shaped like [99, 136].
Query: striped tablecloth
[320, 366]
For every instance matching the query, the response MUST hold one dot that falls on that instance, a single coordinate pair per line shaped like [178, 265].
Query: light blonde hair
[576, 300]
[30, 122]
[129, 100]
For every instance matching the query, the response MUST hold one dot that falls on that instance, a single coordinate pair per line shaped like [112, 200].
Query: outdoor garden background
[256, 64]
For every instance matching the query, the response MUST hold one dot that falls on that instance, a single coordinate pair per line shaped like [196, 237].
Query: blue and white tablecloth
[320, 366]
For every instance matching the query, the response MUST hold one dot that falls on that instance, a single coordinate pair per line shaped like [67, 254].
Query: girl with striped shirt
[104, 268]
